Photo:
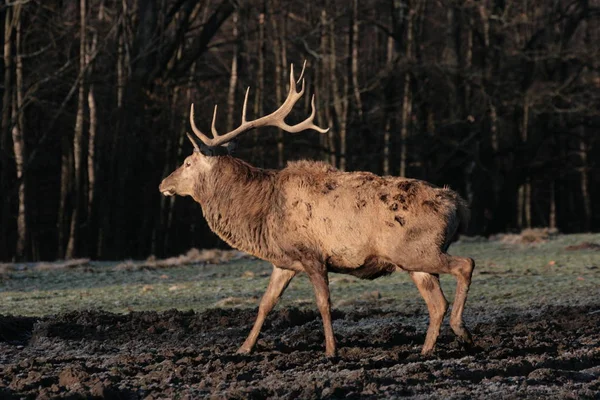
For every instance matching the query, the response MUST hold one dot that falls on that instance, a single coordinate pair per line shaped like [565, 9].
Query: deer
[312, 218]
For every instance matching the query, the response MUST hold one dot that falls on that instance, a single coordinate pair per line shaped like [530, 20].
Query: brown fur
[310, 217]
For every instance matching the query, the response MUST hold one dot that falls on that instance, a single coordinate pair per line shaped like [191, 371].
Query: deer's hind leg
[280, 278]
[320, 282]
[429, 287]
[462, 268]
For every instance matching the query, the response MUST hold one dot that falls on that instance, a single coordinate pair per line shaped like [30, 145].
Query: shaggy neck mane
[236, 199]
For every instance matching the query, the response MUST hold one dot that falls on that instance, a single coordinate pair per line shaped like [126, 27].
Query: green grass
[507, 275]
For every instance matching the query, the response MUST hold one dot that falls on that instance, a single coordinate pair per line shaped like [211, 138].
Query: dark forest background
[499, 99]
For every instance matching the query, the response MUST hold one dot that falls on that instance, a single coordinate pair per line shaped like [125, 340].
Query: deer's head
[184, 180]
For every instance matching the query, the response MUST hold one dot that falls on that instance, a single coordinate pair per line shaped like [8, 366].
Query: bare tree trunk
[585, 194]
[388, 110]
[354, 62]
[340, 97]
[91, 99]
[527, 202]
[260, 89]
[5, 124]
[326, 93]
[280, 66]
[485, 20]
[18, 134]
[552, 217]
[494, 127]
[65, 175]
[407, 94]
[91, 151]
[78, 134]
[527, 185]
[520, 202]
[7, 93]
[121, 73]
[234, 75]
[91, 160]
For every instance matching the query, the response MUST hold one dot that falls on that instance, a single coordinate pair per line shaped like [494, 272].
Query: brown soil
[545, 353]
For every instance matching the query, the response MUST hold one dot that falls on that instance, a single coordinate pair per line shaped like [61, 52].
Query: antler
[276, 118]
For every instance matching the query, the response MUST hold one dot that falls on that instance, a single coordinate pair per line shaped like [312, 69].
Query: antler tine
[196, 148]
[313, 112]
[306, 124]
[245, 105]
[213, 128]
[276, 118]
[292, 80]
[302, 73]
[205, 139]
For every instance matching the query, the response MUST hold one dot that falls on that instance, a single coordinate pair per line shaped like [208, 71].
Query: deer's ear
[211, 151]
[231, 146]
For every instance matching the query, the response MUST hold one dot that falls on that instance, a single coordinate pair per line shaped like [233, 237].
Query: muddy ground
[552, 352]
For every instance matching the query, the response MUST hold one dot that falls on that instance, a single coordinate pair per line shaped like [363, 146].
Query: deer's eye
[187, 163]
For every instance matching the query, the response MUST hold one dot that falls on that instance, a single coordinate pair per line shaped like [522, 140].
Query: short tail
[463, 212]
[458, 215]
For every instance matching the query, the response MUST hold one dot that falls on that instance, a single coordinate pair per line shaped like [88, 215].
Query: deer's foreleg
[280, 278]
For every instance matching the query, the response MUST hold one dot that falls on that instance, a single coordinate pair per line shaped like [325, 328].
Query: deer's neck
[236, 200]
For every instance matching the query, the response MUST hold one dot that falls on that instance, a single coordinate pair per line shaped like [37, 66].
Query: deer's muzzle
[165, 189]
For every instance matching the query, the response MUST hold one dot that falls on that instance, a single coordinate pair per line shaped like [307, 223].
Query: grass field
[506, 275]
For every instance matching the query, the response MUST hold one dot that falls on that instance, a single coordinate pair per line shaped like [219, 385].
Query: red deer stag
[311, 218]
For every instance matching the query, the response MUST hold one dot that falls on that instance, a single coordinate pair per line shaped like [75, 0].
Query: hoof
[466, 344]
[243, 350]
[427, 352]
[331, 354]
[465, 339]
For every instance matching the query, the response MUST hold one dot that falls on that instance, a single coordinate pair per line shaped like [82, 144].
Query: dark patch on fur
[295, 203]
[432, 204]
[365, 178]
[408, 191]
[399, 220]
[400, 198]
[406, 186]
[309, 210]
[413, 233]
[394, 207]
[384, 197]
[391, 225]
[329, 186]
[360, 203]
